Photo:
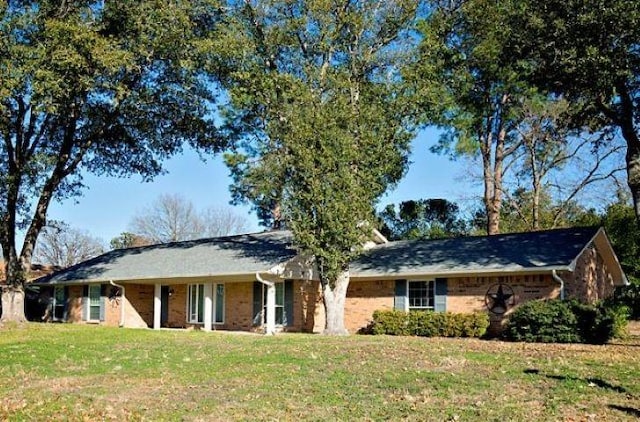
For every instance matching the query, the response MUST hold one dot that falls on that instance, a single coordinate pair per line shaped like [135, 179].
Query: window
[94, 302]
[279, 303]
[59, 303]
[421, 295]
[195, 305]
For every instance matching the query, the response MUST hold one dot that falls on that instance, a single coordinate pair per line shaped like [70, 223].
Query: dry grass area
[72, 372]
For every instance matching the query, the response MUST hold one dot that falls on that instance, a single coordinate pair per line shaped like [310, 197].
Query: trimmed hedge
[429, 324]
[555, 321]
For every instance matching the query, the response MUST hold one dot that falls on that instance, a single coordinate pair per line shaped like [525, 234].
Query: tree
[222, 221]
[422, 219]
[522, 204]
[588, 52]
[173, 218]
[319, 102]
[91, 86]
[492, 109]
[618, 220]
[128, 240]
[465, 58]
[555, 163]
[64, 246]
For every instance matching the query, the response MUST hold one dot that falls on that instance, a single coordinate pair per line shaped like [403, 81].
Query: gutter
[121, 324]
[557, 278]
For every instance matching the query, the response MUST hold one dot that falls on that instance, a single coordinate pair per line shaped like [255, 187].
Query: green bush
[556, 321]
[393, 323]
[543, 321]
[429, 324]
[628, 297]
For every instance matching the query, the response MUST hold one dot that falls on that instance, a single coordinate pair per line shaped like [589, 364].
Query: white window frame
[431, 287]
[280, 301]
[92, 303]
[200, 302]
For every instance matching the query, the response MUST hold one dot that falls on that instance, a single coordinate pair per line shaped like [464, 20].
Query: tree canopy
[90, 86]
[422, 219]
[588, 51]
[318, 99]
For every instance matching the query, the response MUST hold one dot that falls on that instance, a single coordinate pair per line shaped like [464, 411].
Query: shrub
[629, 297]
[544, 322]
[429, 324]
[393, 323]
[556, 321]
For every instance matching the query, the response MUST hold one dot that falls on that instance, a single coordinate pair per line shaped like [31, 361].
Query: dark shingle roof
[551, 249]
[243, 254]
[246, 254]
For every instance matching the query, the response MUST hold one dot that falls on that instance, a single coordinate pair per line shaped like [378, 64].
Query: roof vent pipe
[557, 278]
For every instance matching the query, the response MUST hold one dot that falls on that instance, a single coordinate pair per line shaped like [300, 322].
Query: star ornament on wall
[499, 298]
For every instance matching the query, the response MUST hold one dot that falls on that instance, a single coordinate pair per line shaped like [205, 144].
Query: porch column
[271, 309]
[157, 305]
[208, 305]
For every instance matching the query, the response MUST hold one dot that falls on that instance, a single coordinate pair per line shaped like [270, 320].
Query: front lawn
[74, 372]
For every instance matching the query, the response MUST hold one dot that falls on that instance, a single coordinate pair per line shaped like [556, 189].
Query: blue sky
[108, 205]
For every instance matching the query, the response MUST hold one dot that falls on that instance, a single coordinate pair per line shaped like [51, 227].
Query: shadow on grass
[626, 409]
[591, 381]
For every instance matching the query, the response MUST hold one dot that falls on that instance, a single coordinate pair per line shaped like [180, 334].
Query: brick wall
[467, 294]
[364, 297]
[139, 309]
[177, 316]
[74, 309]
[308, 307]
[238, 307]
[591, 281]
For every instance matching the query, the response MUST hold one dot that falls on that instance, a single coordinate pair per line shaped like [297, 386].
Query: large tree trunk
[13, 287]
[625, 120]
[334, 301]
[633, 174]
[13, 304]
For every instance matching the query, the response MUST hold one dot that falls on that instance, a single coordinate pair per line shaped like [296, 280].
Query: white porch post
[271, 309]
[157, 305]
[208, 305]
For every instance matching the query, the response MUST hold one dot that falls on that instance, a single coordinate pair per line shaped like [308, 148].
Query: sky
[109, 204]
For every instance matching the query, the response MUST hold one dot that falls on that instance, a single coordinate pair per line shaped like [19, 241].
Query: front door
[164, 307]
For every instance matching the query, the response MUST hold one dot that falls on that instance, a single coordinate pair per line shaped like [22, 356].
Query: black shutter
[400, 300]
[65, 314]
[103, 299]
[85, 302]
[440, 295]
[257, 303]
[288, 303]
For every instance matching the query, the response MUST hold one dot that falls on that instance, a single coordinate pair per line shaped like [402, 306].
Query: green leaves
[106, 87]
[322, 132]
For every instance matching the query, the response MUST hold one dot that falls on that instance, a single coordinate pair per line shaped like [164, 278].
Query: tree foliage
[128, 240]
[465, 59]
[319, 102]
[588, 52]
[422, 219]
[104, 87]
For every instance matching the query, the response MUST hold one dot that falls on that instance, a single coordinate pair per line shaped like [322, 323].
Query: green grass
[73, 372]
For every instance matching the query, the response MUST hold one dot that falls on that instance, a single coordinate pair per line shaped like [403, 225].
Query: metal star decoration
[499, 302]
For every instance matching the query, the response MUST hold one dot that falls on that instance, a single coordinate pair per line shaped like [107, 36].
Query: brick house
[257, 282]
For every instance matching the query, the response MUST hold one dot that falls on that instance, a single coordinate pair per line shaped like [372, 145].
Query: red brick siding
[591, 281]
